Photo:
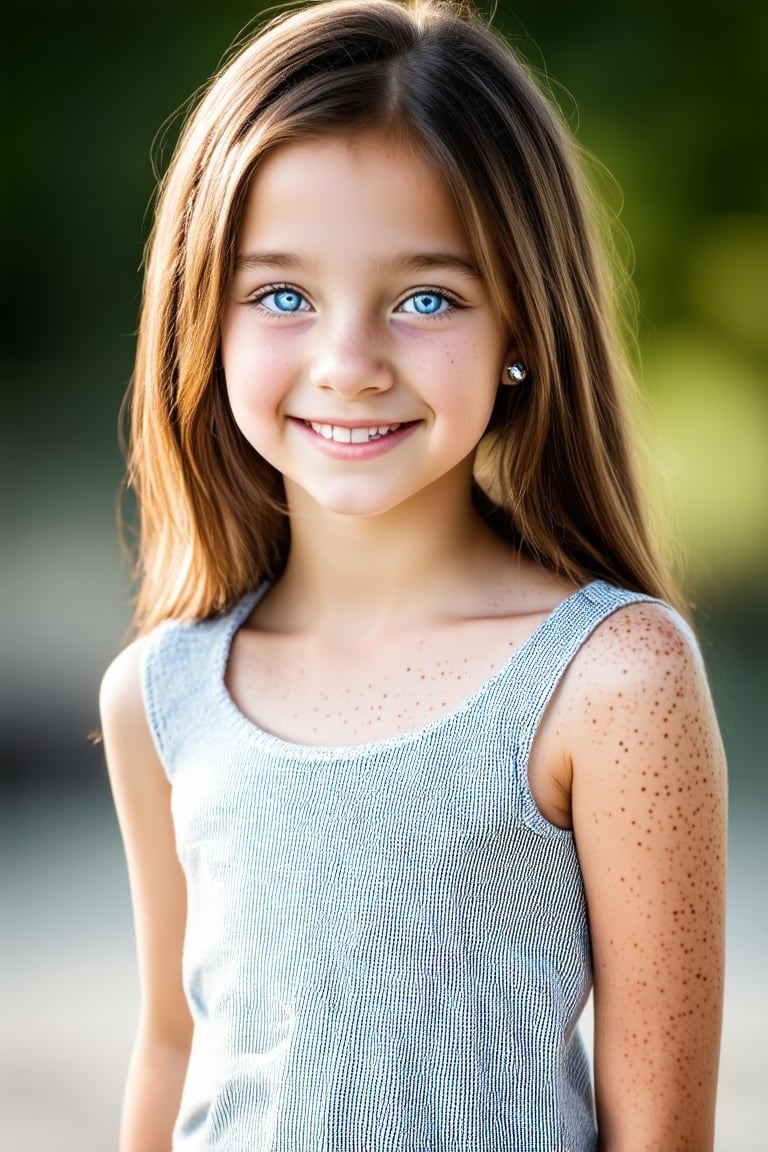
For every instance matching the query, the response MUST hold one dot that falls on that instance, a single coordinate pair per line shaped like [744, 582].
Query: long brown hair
[555, 472]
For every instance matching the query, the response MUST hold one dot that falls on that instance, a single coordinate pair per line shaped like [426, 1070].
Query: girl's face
[361, 351]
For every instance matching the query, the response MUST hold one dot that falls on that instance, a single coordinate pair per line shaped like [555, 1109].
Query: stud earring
[517, 372]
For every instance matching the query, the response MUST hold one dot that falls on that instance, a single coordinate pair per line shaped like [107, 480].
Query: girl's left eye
[427, 304]
[282, 301]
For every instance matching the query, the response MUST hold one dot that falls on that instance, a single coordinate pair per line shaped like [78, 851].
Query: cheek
[466, 378]
[253, 410]
[257, 374]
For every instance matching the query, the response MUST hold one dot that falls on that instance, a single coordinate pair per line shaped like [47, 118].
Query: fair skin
[355, 305]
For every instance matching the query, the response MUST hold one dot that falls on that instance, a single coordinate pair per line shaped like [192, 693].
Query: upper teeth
[351, 435]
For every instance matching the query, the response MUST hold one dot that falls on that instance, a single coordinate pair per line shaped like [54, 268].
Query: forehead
[366, 189]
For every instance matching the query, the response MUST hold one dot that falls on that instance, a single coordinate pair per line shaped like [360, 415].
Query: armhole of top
[600, 609]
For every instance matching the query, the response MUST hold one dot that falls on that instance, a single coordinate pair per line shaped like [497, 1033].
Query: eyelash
[453, 302]
[273, 290]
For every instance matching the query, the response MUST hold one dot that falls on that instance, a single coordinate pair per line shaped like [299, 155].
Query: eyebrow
[424, 261]
[270, 260]
[404, 262]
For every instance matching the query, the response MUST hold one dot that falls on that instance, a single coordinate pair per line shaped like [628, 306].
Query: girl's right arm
[142, 798]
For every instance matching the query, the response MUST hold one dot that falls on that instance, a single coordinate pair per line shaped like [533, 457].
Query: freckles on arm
[649, 821]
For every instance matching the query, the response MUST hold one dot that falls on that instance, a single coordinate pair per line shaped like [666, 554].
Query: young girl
[411, 748]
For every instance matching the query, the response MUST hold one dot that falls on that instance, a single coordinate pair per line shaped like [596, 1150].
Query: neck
[362, 577]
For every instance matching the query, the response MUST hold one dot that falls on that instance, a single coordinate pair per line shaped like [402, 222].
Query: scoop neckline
[294, 750]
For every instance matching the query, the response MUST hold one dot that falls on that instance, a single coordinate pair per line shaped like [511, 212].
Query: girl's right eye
[281, 301]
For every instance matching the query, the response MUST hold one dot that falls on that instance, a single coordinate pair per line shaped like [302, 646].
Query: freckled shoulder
[648, 807]
[641, 652]
[639, 642]
[643, 659]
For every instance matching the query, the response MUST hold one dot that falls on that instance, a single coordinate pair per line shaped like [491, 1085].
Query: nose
[350, 358]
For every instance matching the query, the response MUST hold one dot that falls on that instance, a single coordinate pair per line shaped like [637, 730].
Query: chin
[358, 509]
[350, 504]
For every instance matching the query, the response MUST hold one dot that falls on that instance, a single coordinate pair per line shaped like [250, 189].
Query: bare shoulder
[640, 641]
[648, 809]
[121, 683]
[638, 689]
[128, 742]
[643, 659]
[639, 666]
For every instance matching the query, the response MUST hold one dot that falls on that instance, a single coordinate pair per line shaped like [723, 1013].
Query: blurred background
[670, 95]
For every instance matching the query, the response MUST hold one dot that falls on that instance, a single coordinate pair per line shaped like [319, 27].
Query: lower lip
[338, 450]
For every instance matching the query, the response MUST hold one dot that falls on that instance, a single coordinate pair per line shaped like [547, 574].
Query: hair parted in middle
[554, 469]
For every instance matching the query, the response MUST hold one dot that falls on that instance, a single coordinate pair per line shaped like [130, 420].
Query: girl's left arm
[649, 818]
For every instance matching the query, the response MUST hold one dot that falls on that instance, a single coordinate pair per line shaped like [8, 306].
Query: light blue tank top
[387, 945]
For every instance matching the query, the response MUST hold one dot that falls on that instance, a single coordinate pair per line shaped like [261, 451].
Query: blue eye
[426, 304]
[283, 300]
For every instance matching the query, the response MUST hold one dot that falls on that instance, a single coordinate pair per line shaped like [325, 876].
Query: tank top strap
[183, 666]
[546, 657]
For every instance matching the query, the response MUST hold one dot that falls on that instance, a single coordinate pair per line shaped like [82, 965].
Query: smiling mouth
[344, 435]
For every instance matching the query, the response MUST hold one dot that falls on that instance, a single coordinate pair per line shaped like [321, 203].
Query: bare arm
[142, 799]
[648, 809]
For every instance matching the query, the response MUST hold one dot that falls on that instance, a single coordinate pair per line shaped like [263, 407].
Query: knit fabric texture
[387, 946]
